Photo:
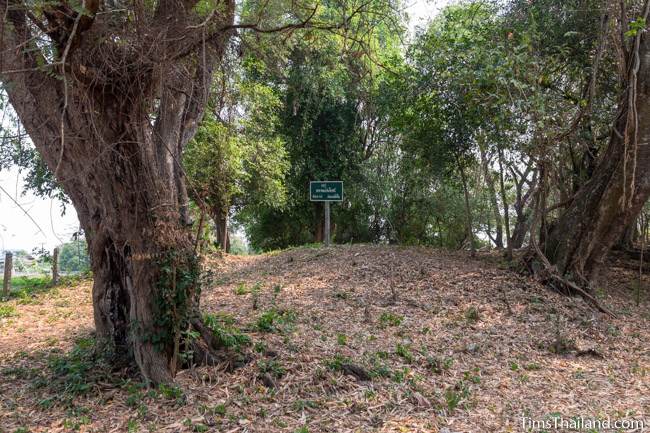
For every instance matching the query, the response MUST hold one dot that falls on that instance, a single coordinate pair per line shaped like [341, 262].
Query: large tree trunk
[111, 126]
[581, 238]
[220, 218]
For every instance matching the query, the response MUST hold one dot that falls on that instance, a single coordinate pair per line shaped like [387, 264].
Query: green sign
[326, 190]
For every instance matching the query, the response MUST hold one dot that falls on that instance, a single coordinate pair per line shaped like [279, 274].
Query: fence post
[6, 285]
[55, 266]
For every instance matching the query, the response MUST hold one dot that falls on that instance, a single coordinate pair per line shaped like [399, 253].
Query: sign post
[327, 224]
[326, 191]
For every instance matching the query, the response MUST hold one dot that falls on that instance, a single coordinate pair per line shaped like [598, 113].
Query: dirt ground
[346, 339]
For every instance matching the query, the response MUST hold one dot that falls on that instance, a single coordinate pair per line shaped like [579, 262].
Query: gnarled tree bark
[110, 113]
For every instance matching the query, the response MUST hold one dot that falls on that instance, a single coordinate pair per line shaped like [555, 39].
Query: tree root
[550, 277]
[208, 350]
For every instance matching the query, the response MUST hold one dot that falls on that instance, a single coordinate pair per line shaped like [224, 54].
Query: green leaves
[635, 27]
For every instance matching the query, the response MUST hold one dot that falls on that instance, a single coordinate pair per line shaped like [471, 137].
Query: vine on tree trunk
[176, 301]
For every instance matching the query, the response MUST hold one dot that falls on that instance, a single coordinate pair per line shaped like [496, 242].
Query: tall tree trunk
[110, 119]
[581, 238]
[506, 209]
[220, 218]
[468, 209]
[489, 180]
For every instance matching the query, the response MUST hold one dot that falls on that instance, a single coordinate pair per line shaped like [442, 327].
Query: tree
[328, 119]
[615, 194]
[239, 164]
[74, 257]
[109, 97]
[110, 94]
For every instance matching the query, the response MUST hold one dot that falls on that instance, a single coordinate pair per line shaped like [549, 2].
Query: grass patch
[74, 373]
[390, 319]
[336, 363]
[275, 320]
[26, 287]
[404, 351]
[301, 405]
[472, 315]
[241, 289]
[7, 311]
[271, 367]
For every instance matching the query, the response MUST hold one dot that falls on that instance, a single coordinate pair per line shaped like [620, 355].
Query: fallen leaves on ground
[348, 339]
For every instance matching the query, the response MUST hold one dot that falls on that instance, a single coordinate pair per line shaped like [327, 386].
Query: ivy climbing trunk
[110, 117]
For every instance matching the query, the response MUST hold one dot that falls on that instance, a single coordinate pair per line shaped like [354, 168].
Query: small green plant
[275, 320]
[532, 366]
[438, 365]
[473, 376]
[453, 399]
[455, 395]
[241, 289]
[390, 319]
[514, 366]
[400, 375]
[635, 27]
[341, 339]
[255, 291]
[380, 370]
[171, 392]
[404, 351]
[613, 331]
[135, 396]
[225, 332]
[472, 315]
[7, 311]
[272, 367]
[217, 410]
[220, 409]
[336, 363]
[259, 347]
[132, 426]
[301, 405]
